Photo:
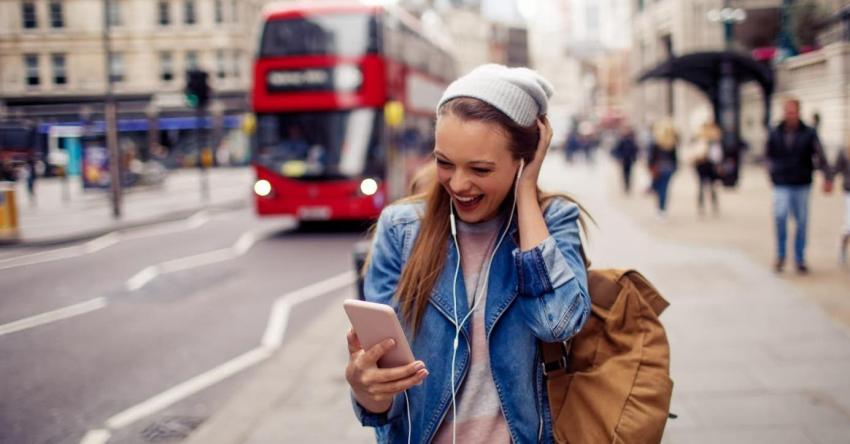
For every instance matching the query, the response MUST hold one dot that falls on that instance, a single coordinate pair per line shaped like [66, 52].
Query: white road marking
[41, 257]
[137, 281]
[141, 278]
[187, 388]
[279, 317]
[197, 220]
[195, 261]
[105, 241]
[97, 436]
[245, 242]
[53, 316]
[272, 339]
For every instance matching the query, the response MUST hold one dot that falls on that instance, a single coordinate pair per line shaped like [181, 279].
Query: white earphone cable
[409, 420]
[459, 325]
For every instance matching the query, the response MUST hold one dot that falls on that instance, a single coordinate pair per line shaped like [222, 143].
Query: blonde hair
[424, 176]
[664, 134]
[709, 131]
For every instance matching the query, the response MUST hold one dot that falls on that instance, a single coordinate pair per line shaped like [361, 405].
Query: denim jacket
[540, 294]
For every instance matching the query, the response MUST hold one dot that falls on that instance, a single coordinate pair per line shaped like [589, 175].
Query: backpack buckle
[561, 363]
[549, 367]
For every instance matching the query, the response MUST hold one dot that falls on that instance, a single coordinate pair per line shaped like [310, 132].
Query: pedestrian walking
[706, 155]
[479, 268]
[793, 152]
[842, 167]
[626, 152]
[573, 144]
[662, 161]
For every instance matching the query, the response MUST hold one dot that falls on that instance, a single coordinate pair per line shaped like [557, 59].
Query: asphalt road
[144, 311]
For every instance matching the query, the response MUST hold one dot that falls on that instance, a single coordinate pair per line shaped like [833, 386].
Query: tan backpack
[611, 382]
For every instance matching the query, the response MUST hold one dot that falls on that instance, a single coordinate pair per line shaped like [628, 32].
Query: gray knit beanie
[520, 93]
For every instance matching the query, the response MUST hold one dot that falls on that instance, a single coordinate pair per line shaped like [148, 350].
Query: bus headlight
[369, 187]
[262, 188]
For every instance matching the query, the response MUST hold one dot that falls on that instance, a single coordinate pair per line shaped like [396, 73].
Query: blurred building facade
[581, 46]
[666, 28]
[478, 39]
[53, 61]
[662, 29]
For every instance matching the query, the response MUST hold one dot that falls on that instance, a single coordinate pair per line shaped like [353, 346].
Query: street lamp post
[786, 45]
[109, 114]
[729, 112]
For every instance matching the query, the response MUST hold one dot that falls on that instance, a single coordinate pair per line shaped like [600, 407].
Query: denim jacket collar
[497, 301]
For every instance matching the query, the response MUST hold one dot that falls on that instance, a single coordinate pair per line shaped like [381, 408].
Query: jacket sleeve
[382, 275]
[552, 278]
[385, 263]
[770, 149]
[821, 162]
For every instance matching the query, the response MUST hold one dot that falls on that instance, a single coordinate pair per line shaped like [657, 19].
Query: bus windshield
[333, 34]
[321, 145]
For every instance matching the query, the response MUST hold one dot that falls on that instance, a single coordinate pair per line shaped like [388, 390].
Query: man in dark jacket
[793, 152]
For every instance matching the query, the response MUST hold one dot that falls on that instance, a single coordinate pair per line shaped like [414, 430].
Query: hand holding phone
[375, 387]
[374, 323]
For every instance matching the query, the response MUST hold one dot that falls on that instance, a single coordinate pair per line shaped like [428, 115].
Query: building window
[60, 76]
[234, 8]
[164, 13]
[219, 11]
[221, 64]
[116, 68]
[113, 13]
[28, 15]
[191, 60]
[235, 65]
[166, 66]
[189, 12]
[31, 66]
[56, 19]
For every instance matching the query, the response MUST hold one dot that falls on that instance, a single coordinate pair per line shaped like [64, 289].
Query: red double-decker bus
[327, 144]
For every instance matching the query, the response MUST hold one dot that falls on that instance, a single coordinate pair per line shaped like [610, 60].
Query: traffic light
[197, 89]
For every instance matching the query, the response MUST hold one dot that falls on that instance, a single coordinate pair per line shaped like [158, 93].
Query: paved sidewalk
[64, 212]
[745, 224]
[753, 359]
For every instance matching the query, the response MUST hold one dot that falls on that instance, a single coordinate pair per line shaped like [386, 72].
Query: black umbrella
[704, 70]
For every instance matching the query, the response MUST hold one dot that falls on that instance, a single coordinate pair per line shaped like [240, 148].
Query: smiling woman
[523, 275]
[475, 158]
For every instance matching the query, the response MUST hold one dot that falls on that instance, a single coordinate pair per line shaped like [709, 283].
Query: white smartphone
[374, 323]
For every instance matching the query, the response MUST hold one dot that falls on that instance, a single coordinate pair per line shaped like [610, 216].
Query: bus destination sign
[314, 79]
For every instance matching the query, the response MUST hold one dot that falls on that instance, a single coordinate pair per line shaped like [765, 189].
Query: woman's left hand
[531, 171]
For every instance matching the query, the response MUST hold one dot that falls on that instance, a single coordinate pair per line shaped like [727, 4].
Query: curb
[271, 383]
[89, 234]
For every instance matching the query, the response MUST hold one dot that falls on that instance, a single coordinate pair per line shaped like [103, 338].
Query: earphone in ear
[452, 217]
[519, 171]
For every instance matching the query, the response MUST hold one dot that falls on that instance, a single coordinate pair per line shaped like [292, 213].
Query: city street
[125, 355]
[133, 339]
[183, 186]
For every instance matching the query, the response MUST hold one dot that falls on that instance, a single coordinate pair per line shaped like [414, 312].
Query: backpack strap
[604, 287]
[647, 291]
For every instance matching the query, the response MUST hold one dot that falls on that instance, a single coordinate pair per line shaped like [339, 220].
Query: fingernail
[424, 373]
[392, 342]
[419, 366]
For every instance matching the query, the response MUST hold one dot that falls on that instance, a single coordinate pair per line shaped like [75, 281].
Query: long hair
[428, 256]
